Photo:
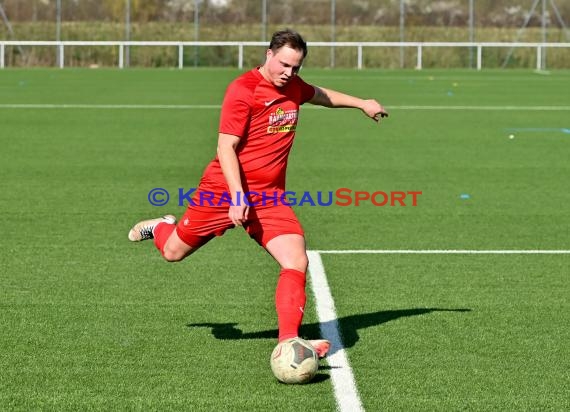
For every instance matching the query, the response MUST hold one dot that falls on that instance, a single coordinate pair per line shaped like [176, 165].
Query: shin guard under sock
[290, 301]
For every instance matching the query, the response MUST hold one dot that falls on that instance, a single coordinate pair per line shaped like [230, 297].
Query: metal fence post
[420, 57]
[263, 20]
[58, 27]
[61, 55]
[479, 57]
[471, 32]
[196, 29]
[240, 56]
[333, 31]
[402, 31]
[128, 31]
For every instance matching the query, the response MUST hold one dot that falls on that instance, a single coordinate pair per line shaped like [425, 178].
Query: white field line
[344, 385]
[486, 108]
[112, 106]
[447, 252]
[215, 106]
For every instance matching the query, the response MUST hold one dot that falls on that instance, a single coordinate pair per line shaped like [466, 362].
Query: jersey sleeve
[236, 110]
[307, 91]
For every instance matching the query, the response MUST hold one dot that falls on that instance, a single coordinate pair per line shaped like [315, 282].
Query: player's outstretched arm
[332, 98]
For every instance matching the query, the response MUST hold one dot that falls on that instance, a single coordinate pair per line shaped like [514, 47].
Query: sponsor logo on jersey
[282, 121]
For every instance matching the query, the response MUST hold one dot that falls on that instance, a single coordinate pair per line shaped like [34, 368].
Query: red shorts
[201, 223]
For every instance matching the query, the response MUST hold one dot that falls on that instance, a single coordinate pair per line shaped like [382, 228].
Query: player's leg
[278, 230]
[197, 227]
[289, 251]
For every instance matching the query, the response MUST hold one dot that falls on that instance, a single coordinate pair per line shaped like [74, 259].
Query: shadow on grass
[348, 326]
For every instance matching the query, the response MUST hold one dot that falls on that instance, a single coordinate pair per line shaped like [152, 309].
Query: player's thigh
[289, 251]
[197, 227]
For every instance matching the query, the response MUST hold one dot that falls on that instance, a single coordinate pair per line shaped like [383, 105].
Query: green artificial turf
[91, 321]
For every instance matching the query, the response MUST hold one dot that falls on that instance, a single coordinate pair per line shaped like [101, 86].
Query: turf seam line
[110, 106]
[217, 106]
[344, 385]
[447, 252]
[484, 108]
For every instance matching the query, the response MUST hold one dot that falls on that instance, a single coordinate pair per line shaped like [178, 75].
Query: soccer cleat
[321, 346]
[144, 229]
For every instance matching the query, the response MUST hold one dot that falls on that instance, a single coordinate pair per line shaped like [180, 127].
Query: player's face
[282, 65]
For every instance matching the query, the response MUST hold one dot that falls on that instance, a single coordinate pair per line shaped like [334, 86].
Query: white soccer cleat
[321, 346]
[144, 229]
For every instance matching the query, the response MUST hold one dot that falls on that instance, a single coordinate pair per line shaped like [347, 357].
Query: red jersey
[265, 118]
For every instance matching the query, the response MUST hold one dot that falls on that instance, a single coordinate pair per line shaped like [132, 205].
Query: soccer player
[245, 183]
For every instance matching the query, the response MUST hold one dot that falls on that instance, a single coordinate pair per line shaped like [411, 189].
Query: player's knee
[172, 255]
[298, 262]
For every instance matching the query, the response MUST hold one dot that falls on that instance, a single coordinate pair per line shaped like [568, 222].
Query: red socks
[290, 301]
[161, 233]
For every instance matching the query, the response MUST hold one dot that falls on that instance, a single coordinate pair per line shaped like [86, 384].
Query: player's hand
[238, 214]
[374, 110]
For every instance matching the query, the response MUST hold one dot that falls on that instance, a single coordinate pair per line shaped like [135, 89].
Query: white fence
[360, 46]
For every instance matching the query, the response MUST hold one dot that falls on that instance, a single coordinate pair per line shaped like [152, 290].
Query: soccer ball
[294, 361]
